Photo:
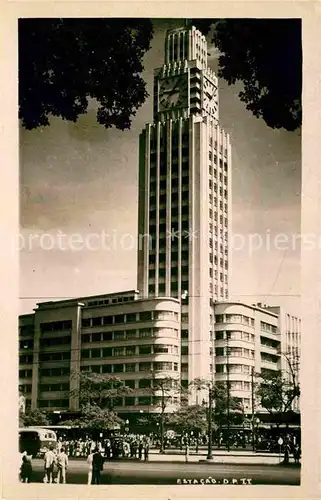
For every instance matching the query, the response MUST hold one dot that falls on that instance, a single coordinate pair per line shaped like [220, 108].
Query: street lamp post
[210, 430]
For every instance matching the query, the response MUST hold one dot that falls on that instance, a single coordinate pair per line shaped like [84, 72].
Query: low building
[138, 340]
[135, 340]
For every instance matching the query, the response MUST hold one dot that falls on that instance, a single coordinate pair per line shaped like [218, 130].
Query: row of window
[115, 300]
[269, 358]
[53, 403]
[220, 149]
[213, 216]
[270, 343]
[223, 278]
[234, 318]
[213, 186]
[232, 368]
[214, 201]
[25, 359]
[213, 157]
[25, 373]
[131, 350]
[54, 372]
[214, 260]
[234, 335]
[268, 328]
[129, 318]
[129, 334]
[55, 326]
[55, 356]
[63, 386]
[133, 367]
[234, 351]
[212, 171]
[49, 342]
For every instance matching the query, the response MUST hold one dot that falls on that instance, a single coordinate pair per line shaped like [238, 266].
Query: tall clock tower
[185, 196]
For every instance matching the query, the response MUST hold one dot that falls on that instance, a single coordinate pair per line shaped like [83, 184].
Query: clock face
[173, 92]
[210, 93]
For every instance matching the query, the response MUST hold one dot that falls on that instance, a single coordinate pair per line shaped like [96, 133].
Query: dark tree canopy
[63, 62]
[266, 56]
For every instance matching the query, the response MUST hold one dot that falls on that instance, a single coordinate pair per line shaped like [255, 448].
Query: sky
[81, 179]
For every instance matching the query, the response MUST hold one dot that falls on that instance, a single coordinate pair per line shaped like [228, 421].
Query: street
[132, 472]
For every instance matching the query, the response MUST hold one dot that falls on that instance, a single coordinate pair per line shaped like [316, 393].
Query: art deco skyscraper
[185, 195]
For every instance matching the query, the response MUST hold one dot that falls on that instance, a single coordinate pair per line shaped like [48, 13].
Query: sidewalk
[220, 457]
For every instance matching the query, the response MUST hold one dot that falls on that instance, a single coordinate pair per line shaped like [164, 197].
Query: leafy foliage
[63, 62]
[33, 418]
[189, 419]
[223, 401]
[266, 55]
[94, 417]
[276, 392]
[99, 390]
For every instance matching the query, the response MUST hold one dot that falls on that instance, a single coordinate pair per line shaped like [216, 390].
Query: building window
[184, 367]
[95, 353]
[130, 367]
[108, 320]
[145, 349]
[144, 383]
[96, 321]
[96, 337]
[131, 318]
[118, 351]
[119, 368]
[130, 350]
[119, 335]
[119, 318]
[161, 349]
[163, 366]
[107, 352]
[145, 367]
[184, 350]
[106, 368]
[107, 336]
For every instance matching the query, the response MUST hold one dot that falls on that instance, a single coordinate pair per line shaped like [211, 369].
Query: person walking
[90, 467]
[140, 449]
[146, 450]
[97, 465]
[296, 453]
[26, 469]
[62, 465]
[49, 462]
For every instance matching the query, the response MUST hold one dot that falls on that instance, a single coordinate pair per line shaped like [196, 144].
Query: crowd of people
[95, 452]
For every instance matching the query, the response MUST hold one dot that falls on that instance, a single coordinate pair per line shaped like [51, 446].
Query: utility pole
[228, 389]
[253, 412]
[209, 430]
[211, 393]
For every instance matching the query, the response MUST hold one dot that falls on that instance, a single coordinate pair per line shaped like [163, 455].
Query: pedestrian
[286, 453]
[62, 465]
[90, 467]
[133, 449]
[97, 466]
[59, 444]
[186, 452]
[296, 453]
[26, 469]
[49, 462]
[140, 449]
[146, 450]
[107, 449]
